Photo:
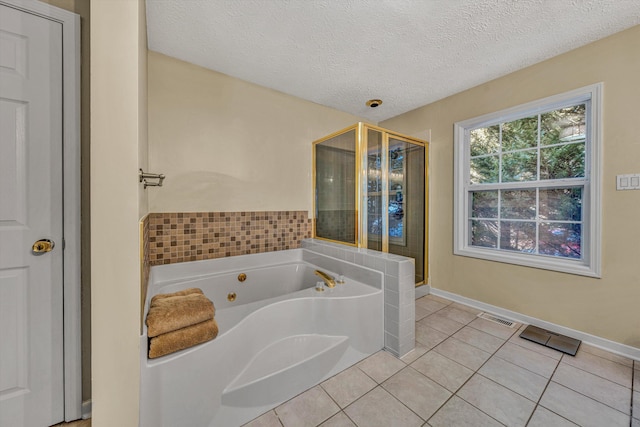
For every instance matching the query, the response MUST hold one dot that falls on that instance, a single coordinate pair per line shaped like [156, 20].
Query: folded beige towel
[171, 312]
[182, 338]
[177, 294]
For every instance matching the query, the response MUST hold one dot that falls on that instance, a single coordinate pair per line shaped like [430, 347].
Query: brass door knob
[42, 245]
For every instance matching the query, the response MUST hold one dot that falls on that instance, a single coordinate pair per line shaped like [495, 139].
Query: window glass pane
[484, 233]
[562, 161]
[521, 133]
[484, 204]
[484, 169]
[563, 125]
[561, 240]
[518, 204]
[520, 166]
[561, 204]
[518, 236]
[484, 140]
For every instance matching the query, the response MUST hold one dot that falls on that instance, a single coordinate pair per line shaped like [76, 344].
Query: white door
[31, 339]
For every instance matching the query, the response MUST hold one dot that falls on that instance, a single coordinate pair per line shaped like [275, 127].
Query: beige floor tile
[268, 419]
[463, 353]
[338, 420]
[457, 412]
[419, 350]
[441, 323]
[466, 308]
[635, 422]
[348, 386]
[636, 376]
[381, 366]
[543, 417]
[528, 359]
[421, 312]
[379, 408]
[593, 386]
[636, 405]
[455, 314]
[606, 354]
[497, 401]
[420, 394]
[429, 305]
[580, 409]
[604, 368]
[493, 328]
[429, 337]
[77, 423]
[479, 339]
[530, 345]
[310, 408]
[515, 378]
[442, 370]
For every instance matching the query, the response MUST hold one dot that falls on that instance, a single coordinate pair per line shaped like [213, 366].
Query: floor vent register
[551, 339]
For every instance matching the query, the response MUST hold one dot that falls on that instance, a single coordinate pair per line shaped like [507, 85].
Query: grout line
[471, 376]
[334, 401]
[600, 376]
[584, 395]
[633, 374]
[401, 402]
[468, 379]
[544, 391]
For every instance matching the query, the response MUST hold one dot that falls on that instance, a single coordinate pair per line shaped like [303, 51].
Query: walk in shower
[370, 188]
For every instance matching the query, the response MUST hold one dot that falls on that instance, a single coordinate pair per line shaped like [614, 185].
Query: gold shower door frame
[360, 220]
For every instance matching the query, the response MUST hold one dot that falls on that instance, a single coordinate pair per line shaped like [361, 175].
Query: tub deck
[266, 352]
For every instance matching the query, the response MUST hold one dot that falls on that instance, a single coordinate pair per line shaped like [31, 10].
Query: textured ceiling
[409, 53]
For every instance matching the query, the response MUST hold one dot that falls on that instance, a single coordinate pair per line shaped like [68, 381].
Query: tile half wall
[194, 236]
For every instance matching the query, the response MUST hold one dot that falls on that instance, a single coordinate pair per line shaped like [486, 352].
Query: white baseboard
[86, 409]
[605, 344]
[423, 290]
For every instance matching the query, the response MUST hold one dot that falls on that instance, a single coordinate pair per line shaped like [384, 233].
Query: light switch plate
[628, 182]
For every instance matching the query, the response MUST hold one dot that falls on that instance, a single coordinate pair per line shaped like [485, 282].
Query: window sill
[577, 267]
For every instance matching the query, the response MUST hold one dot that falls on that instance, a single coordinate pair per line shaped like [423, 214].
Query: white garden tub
[277, 338]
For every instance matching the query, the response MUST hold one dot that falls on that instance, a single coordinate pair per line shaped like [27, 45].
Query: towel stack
[179, 320]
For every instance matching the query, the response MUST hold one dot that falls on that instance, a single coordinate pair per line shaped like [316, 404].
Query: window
[527, 184]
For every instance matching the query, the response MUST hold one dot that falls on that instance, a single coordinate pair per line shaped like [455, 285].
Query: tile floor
[467, 371]
[78, 423]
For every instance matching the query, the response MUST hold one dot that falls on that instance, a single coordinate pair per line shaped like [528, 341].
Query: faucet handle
[340, 279]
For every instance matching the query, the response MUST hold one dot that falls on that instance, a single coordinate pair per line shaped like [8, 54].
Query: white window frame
[590, 264]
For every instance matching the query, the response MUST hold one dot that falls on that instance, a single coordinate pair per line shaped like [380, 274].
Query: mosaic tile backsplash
[194, 236]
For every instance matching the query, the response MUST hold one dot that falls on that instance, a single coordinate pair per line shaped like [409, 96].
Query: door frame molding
[71, 196]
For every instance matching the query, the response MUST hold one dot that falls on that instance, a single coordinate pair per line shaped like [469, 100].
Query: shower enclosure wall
[370, 188]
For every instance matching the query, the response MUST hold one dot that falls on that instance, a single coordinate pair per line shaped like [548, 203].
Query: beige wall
[228, 145]
[118, 118]
[143, 125]
[606, 307]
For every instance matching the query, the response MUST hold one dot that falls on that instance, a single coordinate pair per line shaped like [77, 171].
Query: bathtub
[278, 337]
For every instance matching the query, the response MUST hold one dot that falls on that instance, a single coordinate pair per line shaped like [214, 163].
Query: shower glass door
[375, 190]
[335, 188]
[406, 212]
[370, 192]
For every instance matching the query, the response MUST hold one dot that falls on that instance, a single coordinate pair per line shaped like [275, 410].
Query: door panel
[31, 360]
[13, 170]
